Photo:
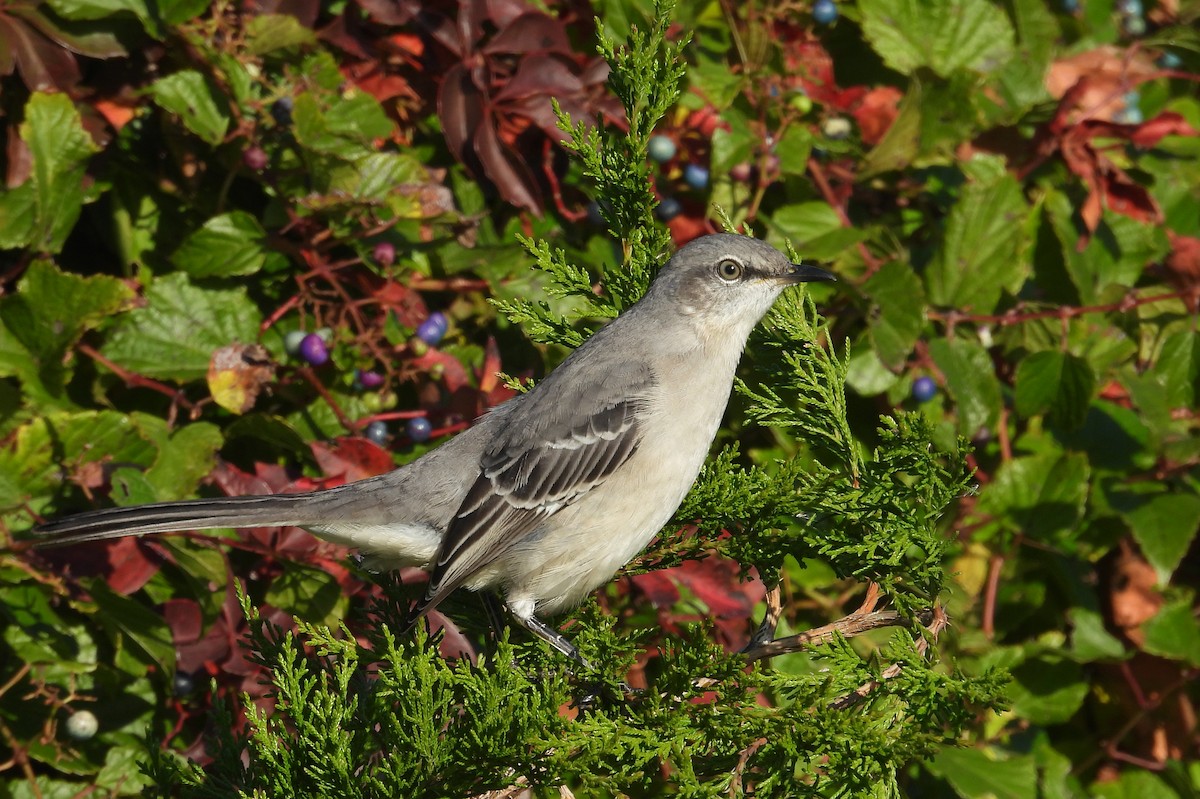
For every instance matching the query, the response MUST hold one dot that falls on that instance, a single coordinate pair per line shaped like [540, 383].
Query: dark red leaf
[510, 174]
[716, 582]
[391, 12]
[461, 108]
[531, 33]
[129, 566]
[1125, 197]
[503, 12]
[43, 65]
[185, 620]
[234, 482]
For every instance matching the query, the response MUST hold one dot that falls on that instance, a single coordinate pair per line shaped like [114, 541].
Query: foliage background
[1009, 191]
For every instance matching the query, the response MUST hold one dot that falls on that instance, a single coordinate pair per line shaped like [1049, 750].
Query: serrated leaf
[346, 129]
[1177, 369]
[970, 380]
[127, 618]
[226, 245]
[1056, 382]
[60, 149]
[815, 229]
[898, 314]
[184, 459]
[943, 35]
[191, 97]
[982, 252]
[174, 336]
[1164, 527]
[45, 317]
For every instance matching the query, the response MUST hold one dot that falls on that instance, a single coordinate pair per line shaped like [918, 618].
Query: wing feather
[565, 451]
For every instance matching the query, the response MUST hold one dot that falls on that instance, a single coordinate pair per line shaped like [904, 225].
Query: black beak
[807, 272]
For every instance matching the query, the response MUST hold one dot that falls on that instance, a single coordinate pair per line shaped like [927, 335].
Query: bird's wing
[545, 459]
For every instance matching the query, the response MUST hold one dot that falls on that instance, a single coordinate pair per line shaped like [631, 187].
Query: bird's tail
[273, 510]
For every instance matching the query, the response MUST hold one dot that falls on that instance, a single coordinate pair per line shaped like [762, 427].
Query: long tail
[194, 514]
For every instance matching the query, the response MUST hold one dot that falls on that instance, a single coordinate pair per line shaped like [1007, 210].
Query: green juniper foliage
[391, 718]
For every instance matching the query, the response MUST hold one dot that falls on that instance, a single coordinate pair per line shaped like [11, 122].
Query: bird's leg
[557, 640]
[766, 630]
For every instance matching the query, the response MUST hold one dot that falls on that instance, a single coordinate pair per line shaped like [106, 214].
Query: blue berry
[1131, 114]
[668, 208]
[1169, 60]
[1135, 25]
[695, 176]
[593, 214]
[377, 433]
[183, 683]
[291, 342]
[419, 429]
[1069, 6]
[924, 389]
[433, 329]
[1132, 8]
[281, 110]
[661, 149]
[367, 379]
[384, 253]
[314, 350]
[824, 12]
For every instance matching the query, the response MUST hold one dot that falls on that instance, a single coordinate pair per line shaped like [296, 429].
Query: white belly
[582, 546]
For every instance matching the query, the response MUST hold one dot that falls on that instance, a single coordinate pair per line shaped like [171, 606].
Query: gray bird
[550, 493]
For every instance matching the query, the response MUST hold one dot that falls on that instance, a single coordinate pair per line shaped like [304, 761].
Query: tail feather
[195, 514]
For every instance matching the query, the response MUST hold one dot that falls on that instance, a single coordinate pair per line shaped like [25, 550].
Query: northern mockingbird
[550, 493]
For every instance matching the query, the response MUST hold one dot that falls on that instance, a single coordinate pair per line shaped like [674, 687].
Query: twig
[862, 620]
[735, 783]
[1109, 747]
[938, 623]
[995, 564]
[822, 184]
[1018, 315]
[135, 380]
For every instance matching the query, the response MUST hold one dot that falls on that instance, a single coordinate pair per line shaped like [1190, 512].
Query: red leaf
[185, 620]
[1168, 123]
[460, 107]
[1125, 197]
[716, 582]
[1184, 258]
[658, 587]
[352, 458]
[511, 175]
[876, 113]
[454, 374]
[234, 482]
[130, 568]
[531, 33]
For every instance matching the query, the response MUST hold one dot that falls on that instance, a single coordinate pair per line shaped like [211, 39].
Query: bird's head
[725, 283]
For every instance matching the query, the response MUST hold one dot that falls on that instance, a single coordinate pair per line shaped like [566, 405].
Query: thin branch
[938, 623]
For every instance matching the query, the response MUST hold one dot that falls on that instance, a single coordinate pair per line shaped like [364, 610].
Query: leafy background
[1009, 192]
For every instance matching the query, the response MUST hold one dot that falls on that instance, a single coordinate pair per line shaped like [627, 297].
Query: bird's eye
[729, 270]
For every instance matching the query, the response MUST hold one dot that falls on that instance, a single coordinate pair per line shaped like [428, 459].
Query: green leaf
[1089, 640]
[1164, 527]
[1174, 633]
[982, 253]
[1047, 689]
[184, 458]
[815, 229]
[970, 380]
[1022, 82]
[130, 621]
[1134, 784]
[308, 593]
[227, 245]
[97, 9]
[268, 33]
[174, 336]
[987, 773]
[1177, 369]
[346, 129]
[191, 96]
[1058, 382]
[1040, 495]
[943, 35]
[18, 215]
[60, 149]
[45, 317]
[898, 314]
